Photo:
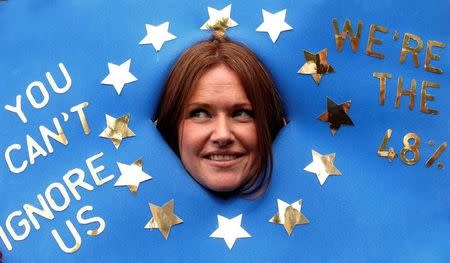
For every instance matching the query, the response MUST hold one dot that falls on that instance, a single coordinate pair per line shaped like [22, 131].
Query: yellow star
[322, 166]
[163, 218]
[336, 115]
[117, 129]
[289, 215]
[316, 65]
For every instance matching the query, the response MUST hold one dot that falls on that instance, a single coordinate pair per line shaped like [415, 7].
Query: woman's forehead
[219, 84]
[230, 95]
[219, 75]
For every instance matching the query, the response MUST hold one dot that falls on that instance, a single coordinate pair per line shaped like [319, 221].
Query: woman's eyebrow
[206, 105]
[242, 105]
[198, 104]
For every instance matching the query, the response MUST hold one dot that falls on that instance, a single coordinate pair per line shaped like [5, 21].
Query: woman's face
[217, 134]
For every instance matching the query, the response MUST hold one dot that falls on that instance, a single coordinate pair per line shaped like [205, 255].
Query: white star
[119, 75]
[157, 35]
[230, 230]
[274, 24]
[132, 175]
[215, 15]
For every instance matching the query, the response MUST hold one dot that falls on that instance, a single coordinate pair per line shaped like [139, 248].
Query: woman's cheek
[193, 134]
[248, 135]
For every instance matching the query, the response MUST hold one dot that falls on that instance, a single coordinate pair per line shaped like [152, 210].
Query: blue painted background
[375, 212]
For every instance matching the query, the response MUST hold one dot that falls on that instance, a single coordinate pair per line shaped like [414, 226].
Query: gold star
[322, 166]
[316, 65]
[163, 218]
[117, 129]
[336, 115]
[289, 215]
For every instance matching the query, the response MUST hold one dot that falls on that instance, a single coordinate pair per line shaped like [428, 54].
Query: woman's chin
[222, 188]
[223, 180]
[223, 185]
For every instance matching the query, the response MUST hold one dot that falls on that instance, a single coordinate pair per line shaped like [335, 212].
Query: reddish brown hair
[259, 88]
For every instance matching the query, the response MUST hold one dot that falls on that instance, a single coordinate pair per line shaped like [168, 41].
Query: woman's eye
[199, 113]
[244, 114]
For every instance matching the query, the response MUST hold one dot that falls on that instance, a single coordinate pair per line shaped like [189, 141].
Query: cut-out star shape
[289, 215]
[117, 129]
[274, 24]
[230, 230]
[157, 35]
[336, 115]
[217, 15]
[163, 218]
[322, 166]
[316, 65]
[132, 175]
[119, 75]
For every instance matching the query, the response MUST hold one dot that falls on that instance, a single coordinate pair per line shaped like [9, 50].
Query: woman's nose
[222, 134]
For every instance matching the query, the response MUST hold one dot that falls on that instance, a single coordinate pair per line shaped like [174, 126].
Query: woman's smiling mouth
[223, 160]
[222, 156]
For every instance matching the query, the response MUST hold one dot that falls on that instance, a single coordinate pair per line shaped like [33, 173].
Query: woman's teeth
[222, 157]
